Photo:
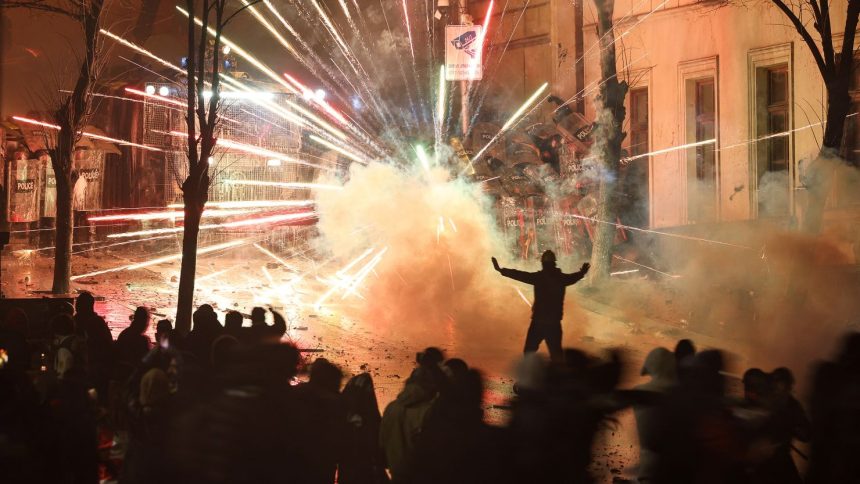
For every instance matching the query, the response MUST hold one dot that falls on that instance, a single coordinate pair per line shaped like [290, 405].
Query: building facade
[725, 97]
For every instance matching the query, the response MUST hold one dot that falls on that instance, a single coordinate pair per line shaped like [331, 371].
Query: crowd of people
[224, 404]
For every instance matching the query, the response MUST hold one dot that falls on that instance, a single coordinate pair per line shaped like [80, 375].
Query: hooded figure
[660, 366]
[547, 311]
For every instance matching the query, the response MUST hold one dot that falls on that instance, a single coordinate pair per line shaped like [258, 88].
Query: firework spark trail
[259, 151]
[486, 90]
[441, 99]
[674, 276]
[523, 296]
[229, 83]
[451, 271]
[141, 50]
[510, 122]
[422, 157]
[121, 243]
[478, 59]
[596, 84]
[340, 150]
[618, 273]
[25, 251]
[252, 204]
[341, 81]
[617, 38]
[363, 273]
[161, 260]
[271, 28]
[274, 256]
[667, 234]
[350, 57]
[408, 30]
[670, 149]
[355, 261]
[88, 135]
[169, 215]
[271, 74]
[271, 219]
[293, 185]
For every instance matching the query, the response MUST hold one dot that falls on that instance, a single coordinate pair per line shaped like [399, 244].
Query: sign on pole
[463, 53]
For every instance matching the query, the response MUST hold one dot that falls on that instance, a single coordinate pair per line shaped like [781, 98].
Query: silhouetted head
[430, 356]
[783, 380]
[258, 316]
[85, 302]
[547, 259]
[359, 397]
[455, 367]
[849, 354]
[163, 328]
[325, 375]
[205, 318]
[62, 325]
[233, 320]
[685, 348]
[140, 320]
[756, 385]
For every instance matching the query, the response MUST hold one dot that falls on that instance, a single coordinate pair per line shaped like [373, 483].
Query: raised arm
[570, 279]
[280, 324]
[522, 276]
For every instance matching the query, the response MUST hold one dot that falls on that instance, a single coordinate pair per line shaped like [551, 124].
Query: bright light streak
[88, 135]
[253, 204]
[452, 224]
[674, 276]
[172, 215]
[667, 234]
[623, 272]
[440, 101]
[274, 256]
[161, 260]
[340, 150]
[362, 274]
[523, 296]
[294, 185]
[152, 95]
[408, 30]
[422, 157]
[268, 276]
[511, 121]
[473, 63]
[272, 30]
[256, 150]
[242, 53]
[141, 50]
[215, 274]
[669, 150]
[519, 112]
[355, 261]
[238, 223]
[317, 98]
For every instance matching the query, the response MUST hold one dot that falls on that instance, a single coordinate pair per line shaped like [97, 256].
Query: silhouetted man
[550, 284]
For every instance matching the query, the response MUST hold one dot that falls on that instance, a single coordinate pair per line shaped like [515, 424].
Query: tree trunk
[818, 177]
[610, 119]
[188, 269]
[65, 224]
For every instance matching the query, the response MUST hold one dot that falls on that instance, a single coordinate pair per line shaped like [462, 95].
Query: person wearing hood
[549, 284]
[660, 366]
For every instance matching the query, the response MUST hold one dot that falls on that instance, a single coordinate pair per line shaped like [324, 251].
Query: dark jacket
[550, 284]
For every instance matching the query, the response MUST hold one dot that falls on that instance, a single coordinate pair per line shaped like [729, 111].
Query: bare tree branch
[801, 29]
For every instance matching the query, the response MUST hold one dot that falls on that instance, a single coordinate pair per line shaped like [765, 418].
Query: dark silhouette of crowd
[233, 403]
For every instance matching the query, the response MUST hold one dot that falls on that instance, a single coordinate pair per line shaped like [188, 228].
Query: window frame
[758, 62]
[689, 74]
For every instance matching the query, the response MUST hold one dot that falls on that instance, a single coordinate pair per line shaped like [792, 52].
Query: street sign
[463, 46]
